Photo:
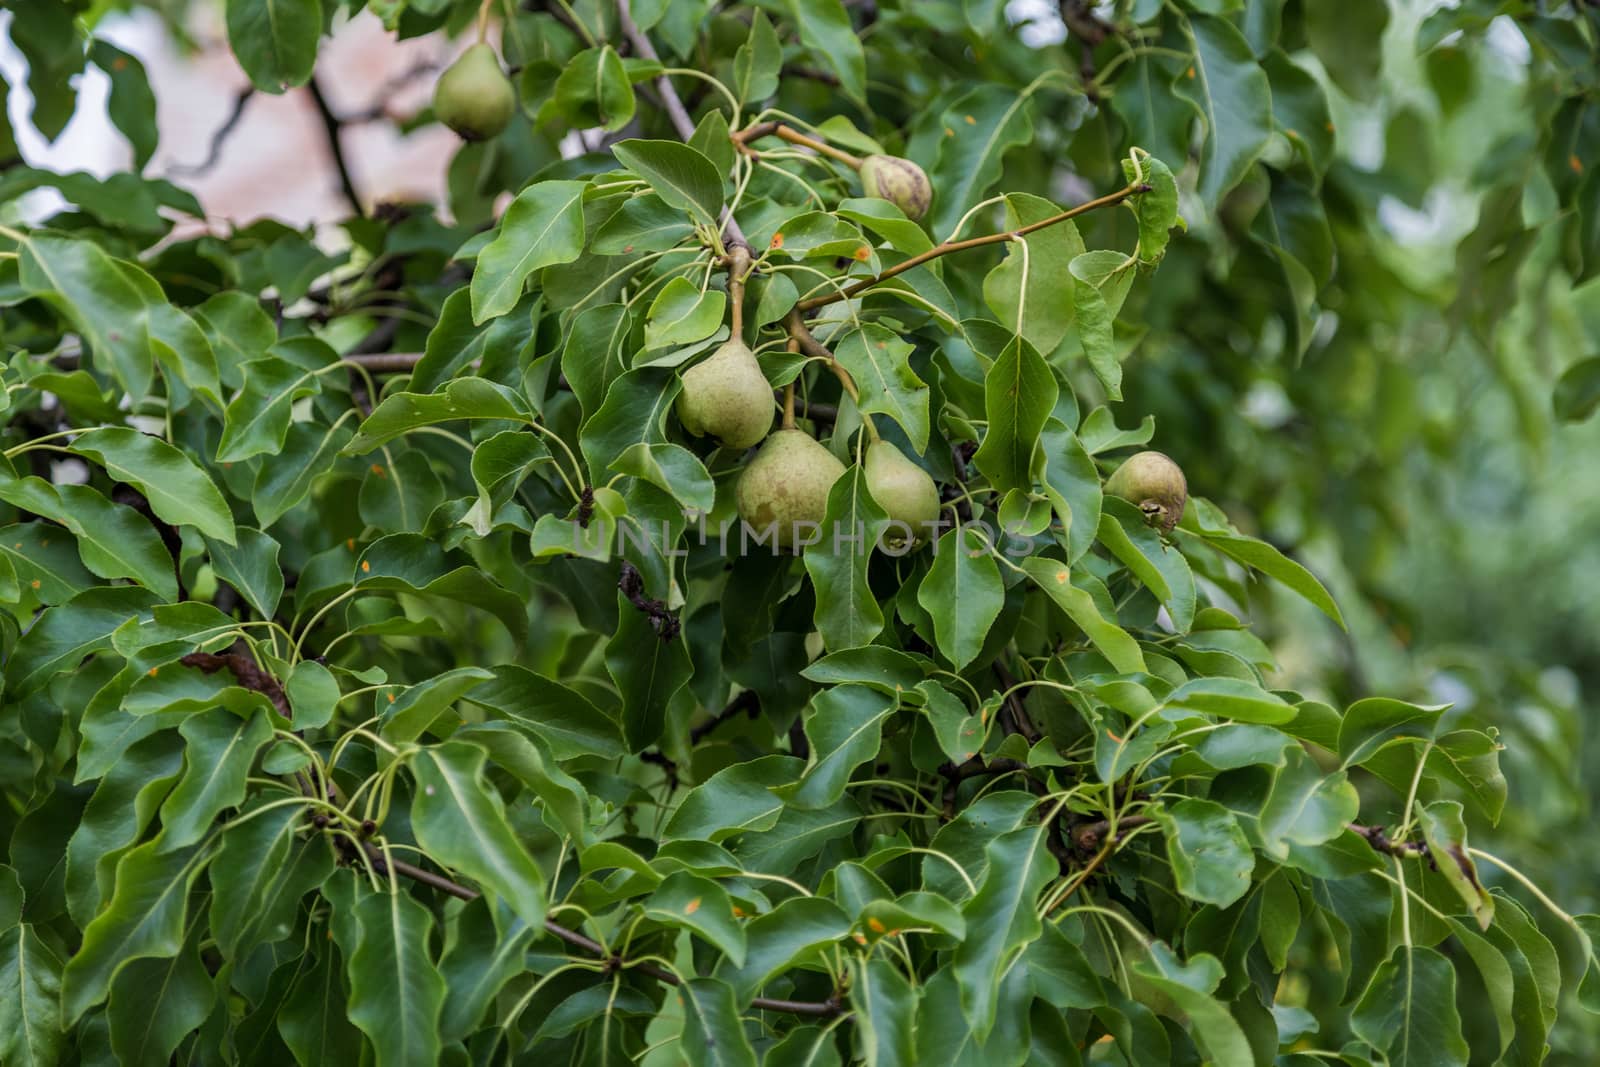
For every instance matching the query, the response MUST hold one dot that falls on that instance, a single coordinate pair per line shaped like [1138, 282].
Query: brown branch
[333, 127]
[672, 104]
[245, 671]
[743, 138]
[809, 344]
[662, 620]
[218, 139]
[948, 247]
[823, 1009]
[747, 703]
[1379, 840]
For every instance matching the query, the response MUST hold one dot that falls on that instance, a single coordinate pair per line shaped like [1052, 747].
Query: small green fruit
[787, 484]
[902, 489]
[1156, 484]
[726, 395]
[899, 181]
[474, 97]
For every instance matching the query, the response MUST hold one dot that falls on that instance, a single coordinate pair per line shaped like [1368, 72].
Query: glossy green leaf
[542, 227]
[847, 614]
[963, 594]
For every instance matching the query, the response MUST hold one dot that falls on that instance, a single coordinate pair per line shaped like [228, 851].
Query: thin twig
[214, 153]
[672, 104]
[333, 127]
[948, 247]
[746, 703]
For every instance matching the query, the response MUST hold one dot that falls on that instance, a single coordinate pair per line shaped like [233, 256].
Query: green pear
[899, 181]
[726, 395]
[474, 97]
[786, 483]
[1156, 484]
[902, 489]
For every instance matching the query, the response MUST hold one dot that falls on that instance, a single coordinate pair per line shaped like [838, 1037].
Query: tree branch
[333, 127]
[672, 104]
[972, 242]
[747, 703]
[664, 622]
[218, 139]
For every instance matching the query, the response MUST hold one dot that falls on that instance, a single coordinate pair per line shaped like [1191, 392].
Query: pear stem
[483, 21]
[738, 271]
[788, 402]
[799, 334]
[947, 247]
[743, 138]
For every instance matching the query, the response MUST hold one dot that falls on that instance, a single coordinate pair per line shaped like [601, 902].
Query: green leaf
[757, 63]
[65, 634]
[132, 106]
[847, 614]
[1231, 92]
[593, 90]
[713, 1034]
[845, 729]
[250, 565]
[409, 563]
[963, 594]
[886, 1009]
[309, 450]
[878, 360]
[648, 669]
[114, 541]
[643, 223]
[1214, 1027]
[1348, 41]
[682, 314]
[116, 816]
[258, 417]
[313, 1020]
[976, 132]
[489, 949]
[1162, 569]
[561, 717]
[1019, 395]
[1156, 208]
[681, 176]
[1034, 281]
[735, 799]
[221, 749]
[155, 1003]
[1368, 724]
[143, 920]
[825, 28]
[30, 999]
[414, 712]
[1445, 831]
[396, 991]
[1305, 807]
[179, 492]
[672, 469]
[796, 931]
[1112, 640]
[1001, 918]
[460, 822]
[275, 40]
[701, 905]
[1408, 1011]
[542, 227]
[1577, 392]
[460, 398]
[1211, 859]
[1274, 564]
[1233, 699]
[266, 865]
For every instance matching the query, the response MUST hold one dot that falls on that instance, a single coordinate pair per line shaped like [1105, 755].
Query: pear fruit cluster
[1155, 484]
[473, 96]
[726, 396]
[904, 491]
[787, 484]
[899, 181]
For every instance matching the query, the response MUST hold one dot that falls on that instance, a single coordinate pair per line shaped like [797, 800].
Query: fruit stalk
[743, 138]
[809, 344]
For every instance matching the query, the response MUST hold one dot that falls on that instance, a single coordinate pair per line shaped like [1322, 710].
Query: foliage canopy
[373, 691]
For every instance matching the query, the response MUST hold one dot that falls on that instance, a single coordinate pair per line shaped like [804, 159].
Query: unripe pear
[787, 483]
[1156, 484]
[899, 181]
[902, 489]
[726, 395]
[474, 97]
